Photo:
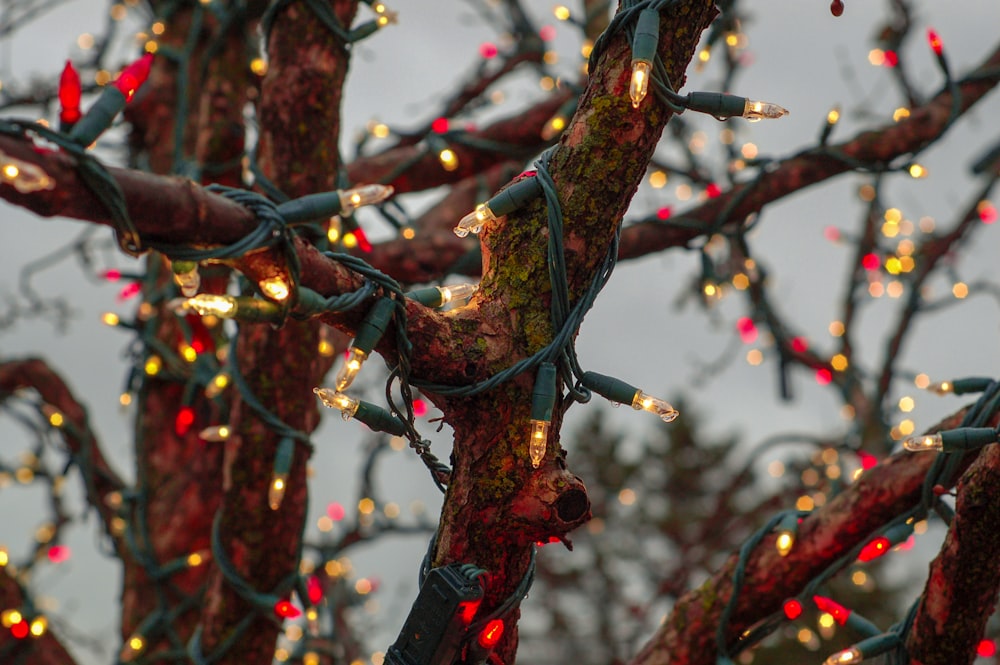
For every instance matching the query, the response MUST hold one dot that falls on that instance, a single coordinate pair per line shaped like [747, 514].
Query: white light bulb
[644, 402]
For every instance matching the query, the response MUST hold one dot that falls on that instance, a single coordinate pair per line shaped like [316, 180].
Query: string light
[439, 296]
[723, 106]
[133, 76]
[962, 439]
[644, 43]
[620, 392]
[543, 399]
[958, 387]
[375, 417]
[503, 203]
[383, 16]
[215, 433]
[851, 656]
[788, 527]
[23, 176]
[327, 204]
[279, 474]
[70, 91]
[242, 308]
[448, 159]
[370, 331]
[275, 288]
[217, 384]
[792, 609]
[881, 544]
[490, 636]
[133, 646]
[113, 99]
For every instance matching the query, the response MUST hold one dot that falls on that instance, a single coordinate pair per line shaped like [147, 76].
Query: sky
[800, 57]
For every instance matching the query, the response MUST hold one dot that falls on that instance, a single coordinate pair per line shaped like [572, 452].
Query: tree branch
[687, 637]
[961, 591]
[100, 480]
[876, 147]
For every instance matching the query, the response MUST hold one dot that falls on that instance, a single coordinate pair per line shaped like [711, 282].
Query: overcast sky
[802, 58]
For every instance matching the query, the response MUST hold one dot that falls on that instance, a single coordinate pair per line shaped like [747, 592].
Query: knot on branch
[549, 505]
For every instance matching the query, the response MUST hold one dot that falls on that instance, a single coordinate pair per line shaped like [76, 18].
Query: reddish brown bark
[687, 636]
[961, 591]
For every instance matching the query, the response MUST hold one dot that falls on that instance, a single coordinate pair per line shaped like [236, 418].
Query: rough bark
[497, 506]
[961, 591]
[687, 636]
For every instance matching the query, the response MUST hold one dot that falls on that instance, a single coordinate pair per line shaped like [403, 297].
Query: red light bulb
[874, 549]
[491, 634]
[792, 609]
[58, 553]
[183, 420]
[134, 76]
[286, 610]
[934, 41]
[836, 610]
[20, 629]
[363, 244]
[315, 589]
[69, 94]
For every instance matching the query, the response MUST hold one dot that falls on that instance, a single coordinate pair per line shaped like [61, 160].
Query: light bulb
[376, 418]
[448, 159]
[639, 85]
[333, 229]
[133, 646]
[38, 626]
[276, 492]
[383, 15]
[952, 440]
[754, 110]
[365, 195]
[941, 387]
[553, 127]
[23, 176]
[347, 405]
[275, 288]
[345, 377]
[207, 304]
[784, 542]
[195, 559]
[69, 94]
[110, 319]
[460, 292]
[923, 442]
[538, 441]
[850, 656]
[723, 106]
[644, 44]
[643, 402]
[215, 433]
[217, 384]
[473, 222]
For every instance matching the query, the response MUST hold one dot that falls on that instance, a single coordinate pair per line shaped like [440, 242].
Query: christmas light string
[941, 473]
[92, 173]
